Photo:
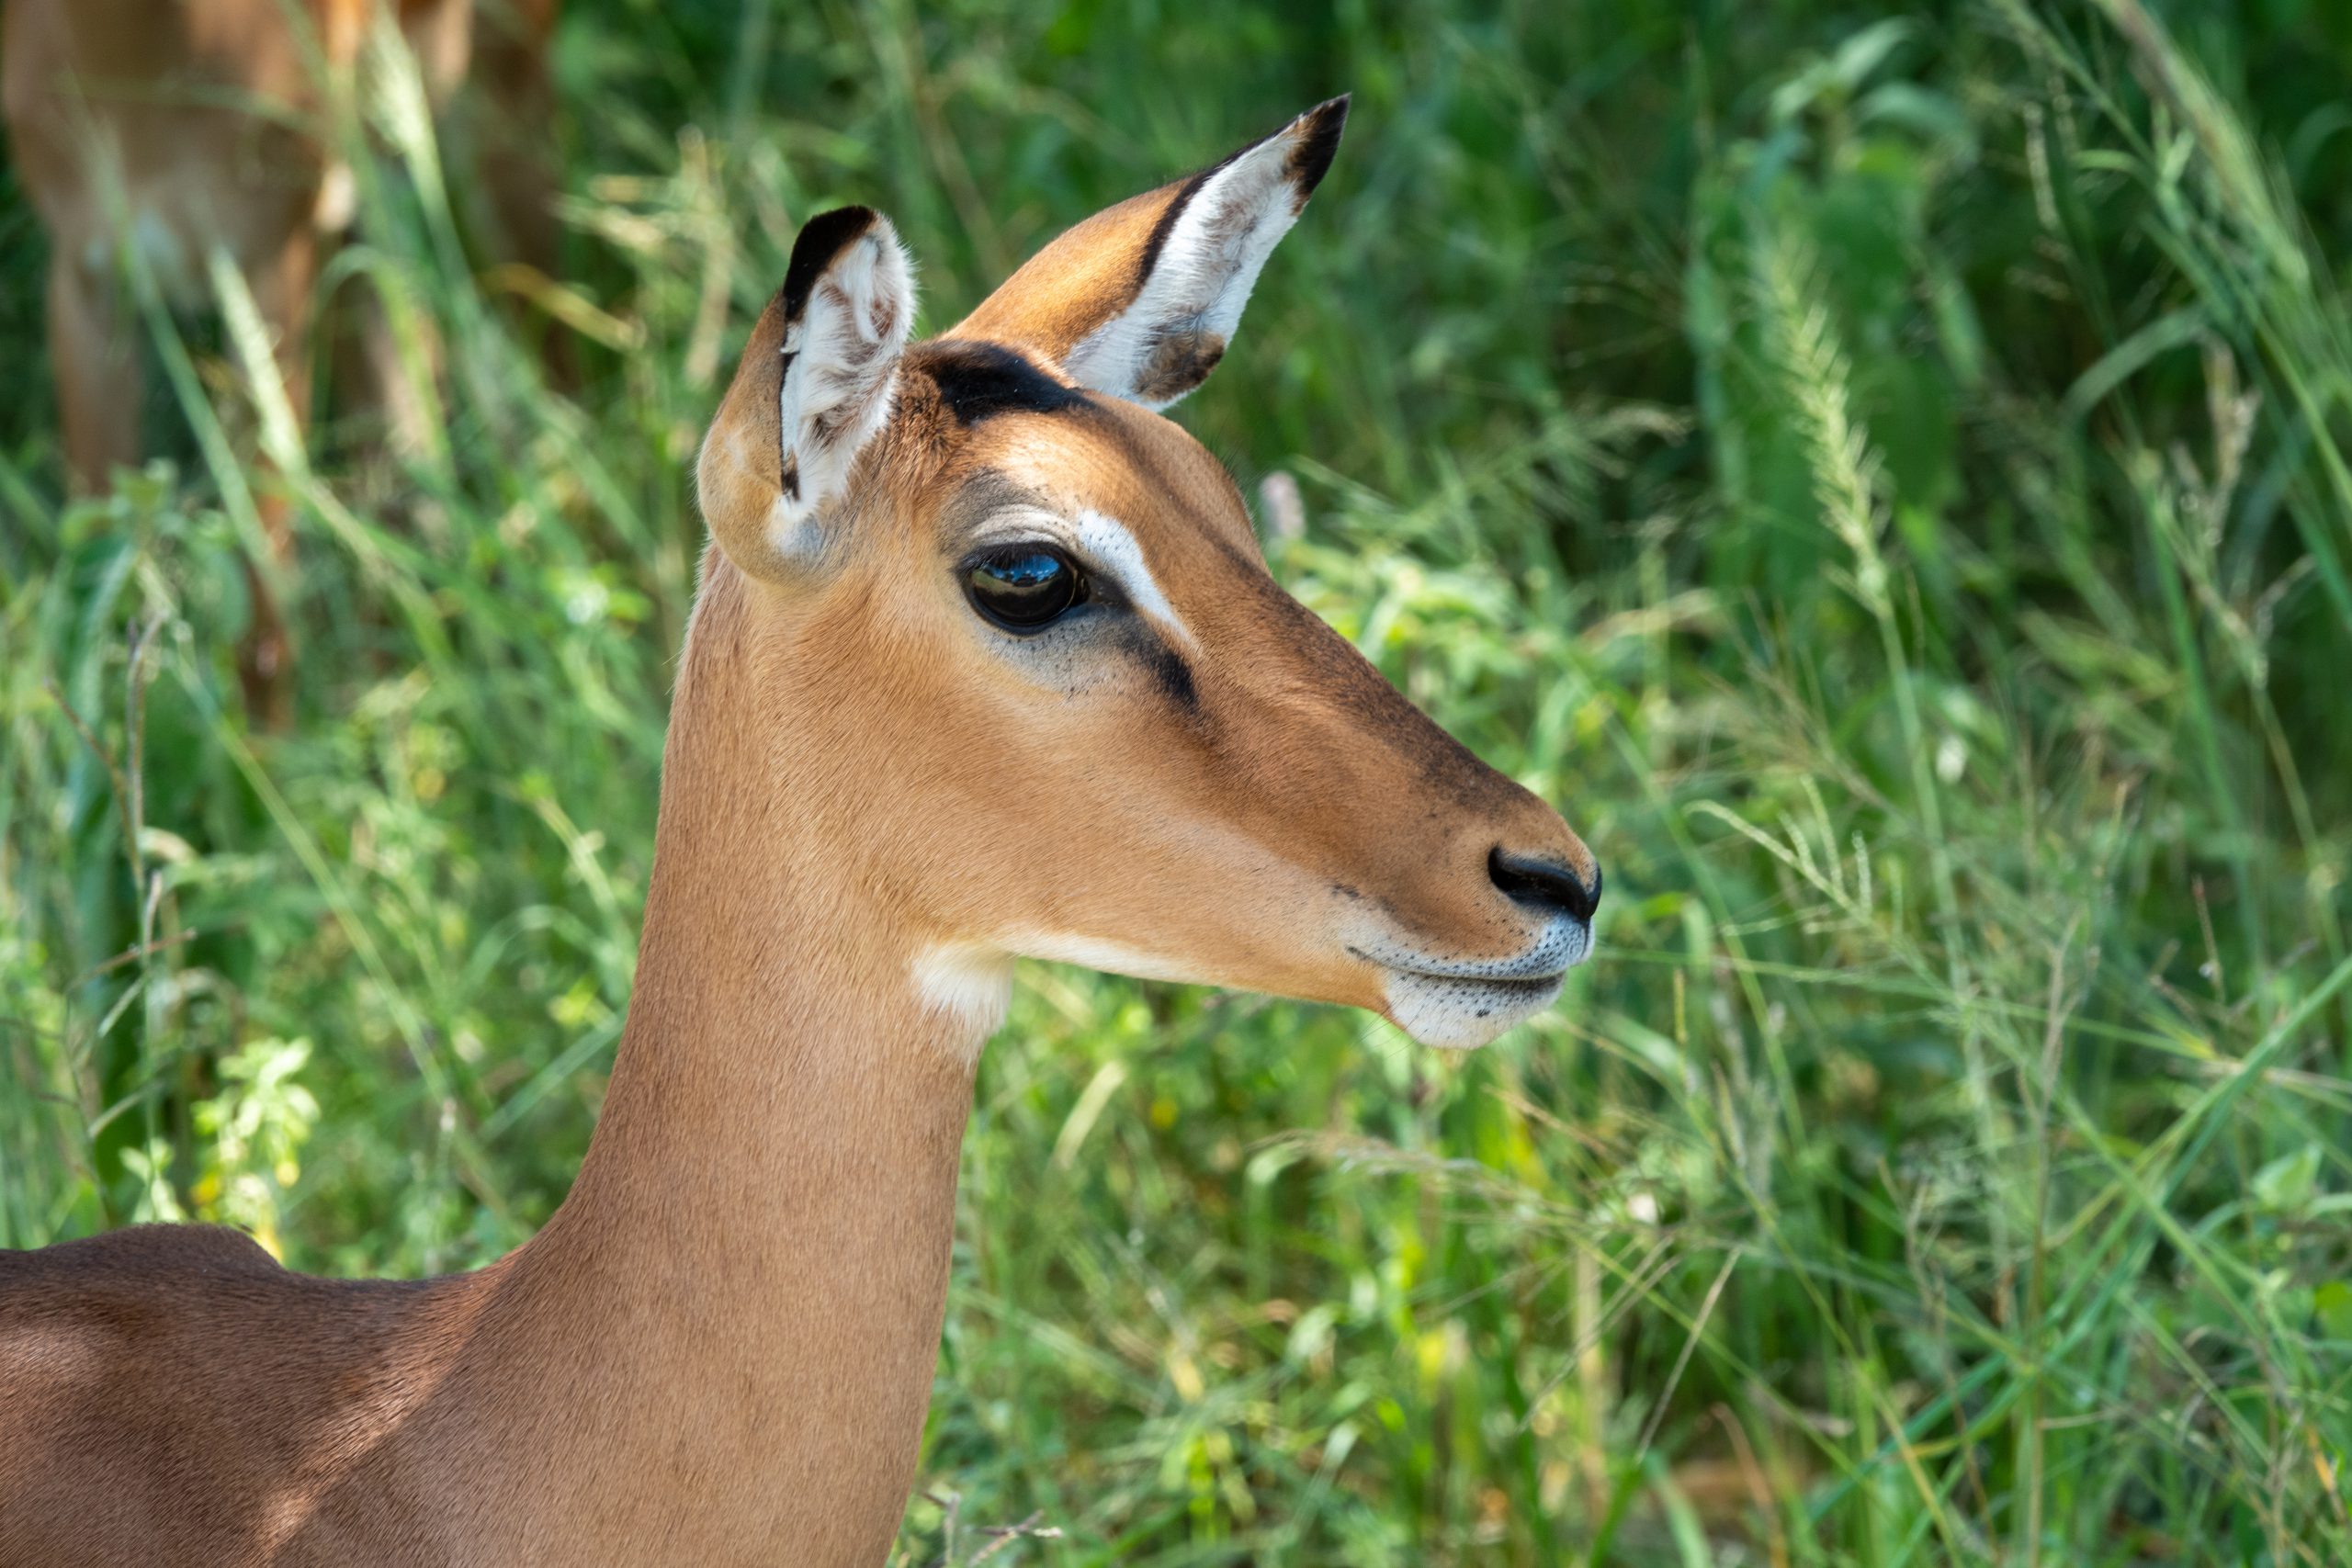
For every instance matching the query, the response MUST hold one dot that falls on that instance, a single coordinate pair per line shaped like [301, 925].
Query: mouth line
[1518, 988]
[1528, 984]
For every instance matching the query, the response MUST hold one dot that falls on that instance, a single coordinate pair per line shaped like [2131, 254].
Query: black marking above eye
[1024, 588]
[977, 381]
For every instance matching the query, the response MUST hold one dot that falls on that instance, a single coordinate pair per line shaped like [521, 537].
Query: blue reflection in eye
[1028, 572]
[1025, 590]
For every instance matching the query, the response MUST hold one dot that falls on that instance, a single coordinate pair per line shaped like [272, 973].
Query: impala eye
[1025, 588]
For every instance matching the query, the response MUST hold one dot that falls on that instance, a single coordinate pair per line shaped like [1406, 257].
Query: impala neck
[755, 1254]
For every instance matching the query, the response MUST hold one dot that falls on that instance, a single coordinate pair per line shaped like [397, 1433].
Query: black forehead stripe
[977, 380]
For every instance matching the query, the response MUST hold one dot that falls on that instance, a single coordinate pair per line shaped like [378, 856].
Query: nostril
[1544, 886]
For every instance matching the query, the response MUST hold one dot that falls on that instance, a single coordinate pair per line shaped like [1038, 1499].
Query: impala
[190, 128]
[985, 662]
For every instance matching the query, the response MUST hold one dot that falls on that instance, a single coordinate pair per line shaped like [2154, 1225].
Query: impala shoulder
[123, 1284]
[135, 1252]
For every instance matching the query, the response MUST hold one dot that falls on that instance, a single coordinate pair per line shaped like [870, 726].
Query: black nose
[1542, 886]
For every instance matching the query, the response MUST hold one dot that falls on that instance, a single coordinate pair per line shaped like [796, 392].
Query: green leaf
[2288, 1184]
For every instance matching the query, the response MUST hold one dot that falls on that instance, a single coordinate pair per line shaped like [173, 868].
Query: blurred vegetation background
[1887, 476]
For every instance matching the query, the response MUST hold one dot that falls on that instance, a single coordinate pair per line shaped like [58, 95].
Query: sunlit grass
[1887, 484]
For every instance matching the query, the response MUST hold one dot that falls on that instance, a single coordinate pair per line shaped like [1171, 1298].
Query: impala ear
[1140, 299]
[813, 389]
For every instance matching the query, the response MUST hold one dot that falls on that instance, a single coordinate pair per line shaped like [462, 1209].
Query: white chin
[1461, 1015]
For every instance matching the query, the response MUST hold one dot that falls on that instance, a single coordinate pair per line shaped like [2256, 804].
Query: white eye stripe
[1104, 543]
[1112, 549]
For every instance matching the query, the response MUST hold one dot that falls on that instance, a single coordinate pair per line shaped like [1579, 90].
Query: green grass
[1889, 481]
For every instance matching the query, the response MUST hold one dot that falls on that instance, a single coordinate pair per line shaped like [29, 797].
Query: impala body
[190, 127]
[985, 663]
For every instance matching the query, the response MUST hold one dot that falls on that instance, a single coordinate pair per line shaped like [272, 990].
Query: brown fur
[720, 1348]
[1180, 362]
[1079, 281]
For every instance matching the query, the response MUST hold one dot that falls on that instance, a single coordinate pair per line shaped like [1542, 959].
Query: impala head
[1022, 658]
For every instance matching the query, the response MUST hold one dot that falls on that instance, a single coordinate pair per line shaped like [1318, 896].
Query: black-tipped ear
[1141, 299]
[1310, 158]
[813, 389]
[820, 240]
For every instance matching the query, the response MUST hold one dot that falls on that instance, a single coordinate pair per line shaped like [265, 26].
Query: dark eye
[1025, 588]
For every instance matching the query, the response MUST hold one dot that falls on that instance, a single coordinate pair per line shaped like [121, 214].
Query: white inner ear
[1163, 343]
[840, 375]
